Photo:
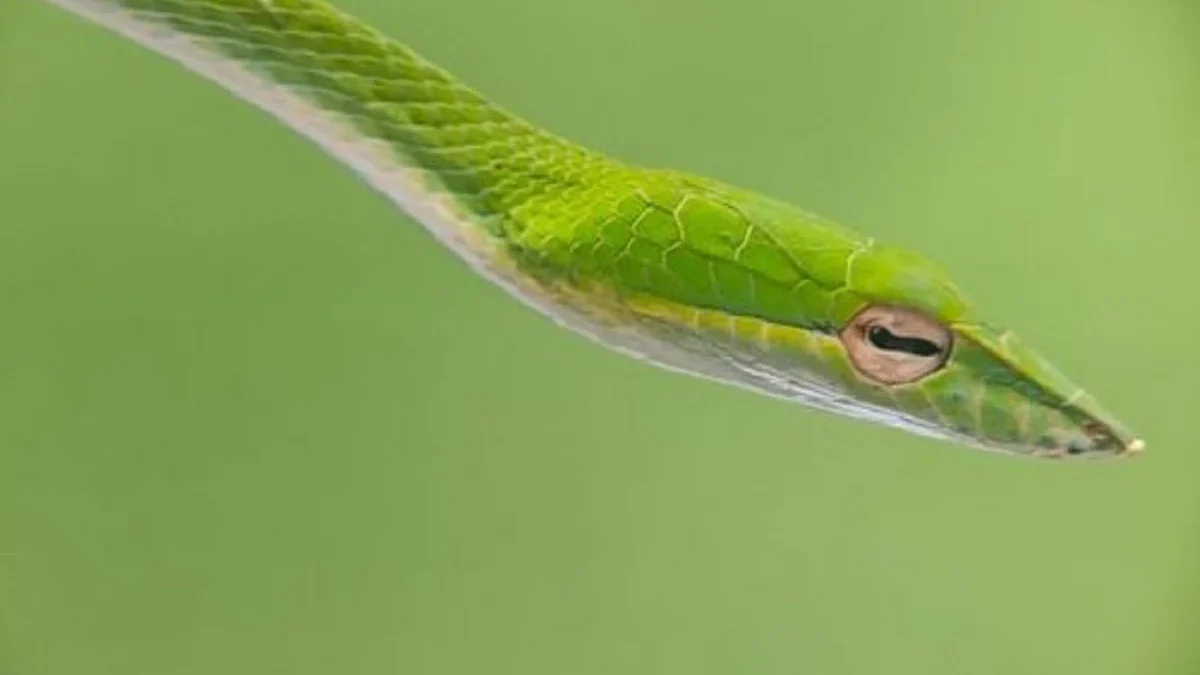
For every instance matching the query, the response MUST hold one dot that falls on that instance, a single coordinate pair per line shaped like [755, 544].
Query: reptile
[683, 271]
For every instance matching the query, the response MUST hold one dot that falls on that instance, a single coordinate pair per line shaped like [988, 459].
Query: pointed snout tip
[1134, 447]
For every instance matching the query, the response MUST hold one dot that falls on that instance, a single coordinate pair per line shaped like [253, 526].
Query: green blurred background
[252, 420]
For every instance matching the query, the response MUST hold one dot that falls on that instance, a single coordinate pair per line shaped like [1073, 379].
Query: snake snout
[1104, 439]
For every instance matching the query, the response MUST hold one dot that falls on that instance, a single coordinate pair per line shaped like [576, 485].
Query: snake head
[915, 345]
[765, 296]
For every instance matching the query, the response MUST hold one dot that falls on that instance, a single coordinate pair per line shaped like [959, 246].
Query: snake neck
[379, 91]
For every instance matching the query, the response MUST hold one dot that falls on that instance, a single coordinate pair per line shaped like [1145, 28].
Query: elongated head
[765, 296]
[789, 304]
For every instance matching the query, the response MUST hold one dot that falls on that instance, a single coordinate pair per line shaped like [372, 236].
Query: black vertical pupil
[885, 339]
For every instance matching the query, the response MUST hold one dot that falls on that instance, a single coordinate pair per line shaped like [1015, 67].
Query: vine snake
[683, 271]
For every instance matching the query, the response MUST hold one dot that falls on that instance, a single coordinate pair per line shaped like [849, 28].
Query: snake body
[686, 272]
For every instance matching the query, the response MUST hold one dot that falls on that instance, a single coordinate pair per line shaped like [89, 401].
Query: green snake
[680, 270]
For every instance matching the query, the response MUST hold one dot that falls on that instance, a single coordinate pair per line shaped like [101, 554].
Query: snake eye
[892, 345]
[882, 338]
